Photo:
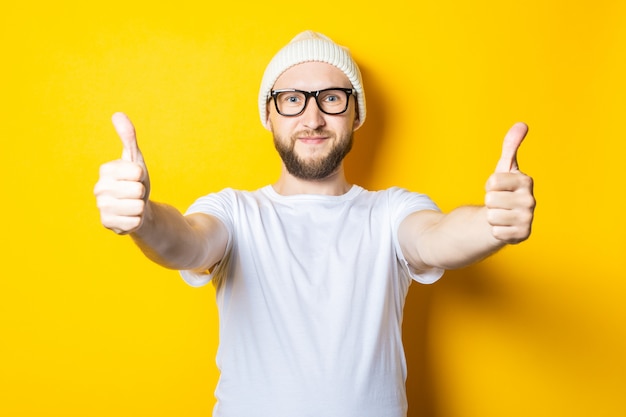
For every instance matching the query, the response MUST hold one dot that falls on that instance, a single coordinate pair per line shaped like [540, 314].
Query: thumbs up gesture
[509, 199]
[123, 188]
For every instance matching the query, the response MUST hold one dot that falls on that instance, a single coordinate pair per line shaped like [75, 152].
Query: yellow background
[91, 328]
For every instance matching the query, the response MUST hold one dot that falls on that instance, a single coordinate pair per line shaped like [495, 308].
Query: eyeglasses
[291, 102]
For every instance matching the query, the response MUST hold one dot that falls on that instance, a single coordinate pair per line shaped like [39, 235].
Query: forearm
[461, 238]
[450, 241]
[176, 241]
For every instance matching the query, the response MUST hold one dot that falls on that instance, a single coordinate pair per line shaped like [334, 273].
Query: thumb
[512, 141]
[126, 131]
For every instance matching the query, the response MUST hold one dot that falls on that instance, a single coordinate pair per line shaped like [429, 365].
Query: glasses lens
[333, 101]
[290, 103]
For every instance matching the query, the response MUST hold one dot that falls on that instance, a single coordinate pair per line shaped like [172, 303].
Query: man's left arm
[468, 234]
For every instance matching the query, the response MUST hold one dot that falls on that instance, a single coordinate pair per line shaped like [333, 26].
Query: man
[312, 271]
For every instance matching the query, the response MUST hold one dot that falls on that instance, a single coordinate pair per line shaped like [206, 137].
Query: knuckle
[135, 172]
[498, 232]
[102, 186]
[97, 189]
[526, 217]
[110, 169]
[489, 199]
[141, 206]
[105, 169]
[139, 190]
[525, 201]
[133, 223]
[492, 216]
[528, 182]
[103, 204]
[492, 182]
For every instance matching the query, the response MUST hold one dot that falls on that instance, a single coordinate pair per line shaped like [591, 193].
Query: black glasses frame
[307, 96]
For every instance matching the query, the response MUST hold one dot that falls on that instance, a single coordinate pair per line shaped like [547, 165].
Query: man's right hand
[123, 188]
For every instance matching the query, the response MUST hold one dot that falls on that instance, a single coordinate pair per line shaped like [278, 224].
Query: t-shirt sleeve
[402, 203]
[219, 205]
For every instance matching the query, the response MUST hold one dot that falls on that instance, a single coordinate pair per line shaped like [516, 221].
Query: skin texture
[314, 144]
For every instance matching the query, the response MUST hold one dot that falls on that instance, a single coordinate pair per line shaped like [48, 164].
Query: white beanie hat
[310, 46]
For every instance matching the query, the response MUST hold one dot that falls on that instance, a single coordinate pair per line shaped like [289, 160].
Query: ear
[357, 119]
[268, 120]
[357, 122]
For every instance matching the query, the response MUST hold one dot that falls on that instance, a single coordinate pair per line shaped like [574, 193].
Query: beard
[314, 169]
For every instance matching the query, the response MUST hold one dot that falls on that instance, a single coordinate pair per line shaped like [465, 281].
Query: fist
[509, 199]
[123, 187]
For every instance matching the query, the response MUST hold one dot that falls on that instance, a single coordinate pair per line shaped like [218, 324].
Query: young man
[312, 271]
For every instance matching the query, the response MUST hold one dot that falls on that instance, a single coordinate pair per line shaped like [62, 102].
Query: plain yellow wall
[91, 328]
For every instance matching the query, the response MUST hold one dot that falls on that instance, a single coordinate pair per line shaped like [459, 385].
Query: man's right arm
[194, 242]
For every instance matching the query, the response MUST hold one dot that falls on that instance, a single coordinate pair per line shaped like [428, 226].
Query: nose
[312, 116]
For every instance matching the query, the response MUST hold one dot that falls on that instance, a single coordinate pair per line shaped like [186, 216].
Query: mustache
[314, 132]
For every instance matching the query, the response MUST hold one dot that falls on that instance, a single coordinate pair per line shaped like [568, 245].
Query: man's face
[313, 144]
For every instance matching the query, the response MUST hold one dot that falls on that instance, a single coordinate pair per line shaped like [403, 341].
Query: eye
[330, 97]
[290, 98]
[333, 98]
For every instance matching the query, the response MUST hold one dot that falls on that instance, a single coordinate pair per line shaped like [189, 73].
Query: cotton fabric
[311, 308]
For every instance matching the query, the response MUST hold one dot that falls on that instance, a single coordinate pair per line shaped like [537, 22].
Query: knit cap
[310, 46]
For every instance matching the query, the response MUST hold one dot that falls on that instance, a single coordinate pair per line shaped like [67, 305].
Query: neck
[334, 184]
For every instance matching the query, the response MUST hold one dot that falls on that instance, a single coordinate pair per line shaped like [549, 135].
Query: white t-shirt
[311, 309]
